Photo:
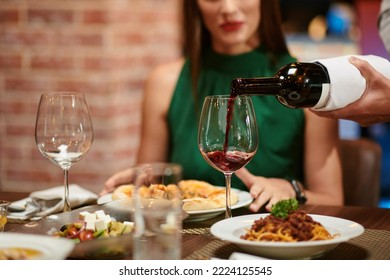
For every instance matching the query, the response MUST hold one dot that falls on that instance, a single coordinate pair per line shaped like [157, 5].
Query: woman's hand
[119, 178]
[265, 191]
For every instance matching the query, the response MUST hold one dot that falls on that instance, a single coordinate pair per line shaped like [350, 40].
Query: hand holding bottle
[323, 85]
[347, 82]
[374, 104]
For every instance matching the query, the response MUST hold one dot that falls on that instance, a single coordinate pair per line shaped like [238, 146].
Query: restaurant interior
[106, 49]
[349, 26]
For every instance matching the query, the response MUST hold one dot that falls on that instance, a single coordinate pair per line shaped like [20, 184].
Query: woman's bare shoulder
[161, 84]
[166, 75]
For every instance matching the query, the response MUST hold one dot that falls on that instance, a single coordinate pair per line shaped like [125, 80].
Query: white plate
[231, 230]
[104, 199]
[50, 248]
[244, 199]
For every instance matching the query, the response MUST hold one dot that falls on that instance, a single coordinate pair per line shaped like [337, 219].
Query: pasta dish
[297, 226]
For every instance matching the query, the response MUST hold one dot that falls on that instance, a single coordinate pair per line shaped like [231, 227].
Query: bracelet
[299, 191]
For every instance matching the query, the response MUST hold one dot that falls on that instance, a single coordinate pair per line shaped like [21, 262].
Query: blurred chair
[361, 163]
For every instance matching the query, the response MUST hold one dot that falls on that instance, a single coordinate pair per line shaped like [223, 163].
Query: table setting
[203, 240]
[372, 244]
[49, 201]
[158, 215]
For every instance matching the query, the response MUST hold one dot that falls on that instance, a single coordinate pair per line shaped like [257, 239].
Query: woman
[225, 39]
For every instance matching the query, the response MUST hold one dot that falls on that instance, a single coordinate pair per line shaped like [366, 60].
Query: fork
[35, 205]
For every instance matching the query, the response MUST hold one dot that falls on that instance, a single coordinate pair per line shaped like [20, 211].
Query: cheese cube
[90, 218]
[100, 224]
[83, 214]
[99, 214]
[107, 220]
[90, 225]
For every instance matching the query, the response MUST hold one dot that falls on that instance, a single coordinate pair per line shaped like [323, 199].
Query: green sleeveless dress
[281, 130]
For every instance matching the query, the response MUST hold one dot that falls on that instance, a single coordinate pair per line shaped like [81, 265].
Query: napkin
[51, 201]
[243, 256]
[346, 82]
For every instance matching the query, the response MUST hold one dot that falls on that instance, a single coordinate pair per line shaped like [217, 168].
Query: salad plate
[102, 248]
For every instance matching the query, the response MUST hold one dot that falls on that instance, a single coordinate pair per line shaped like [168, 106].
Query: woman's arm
[157, 96]
[322, 169]
[158, 93]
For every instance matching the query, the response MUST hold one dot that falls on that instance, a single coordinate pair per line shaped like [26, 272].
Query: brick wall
[104, 48]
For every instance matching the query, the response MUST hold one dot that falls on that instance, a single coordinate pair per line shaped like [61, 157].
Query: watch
[299, 191]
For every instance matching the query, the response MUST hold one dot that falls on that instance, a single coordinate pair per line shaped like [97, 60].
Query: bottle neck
[255, 86]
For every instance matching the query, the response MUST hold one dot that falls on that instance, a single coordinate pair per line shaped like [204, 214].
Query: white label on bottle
[324, 97]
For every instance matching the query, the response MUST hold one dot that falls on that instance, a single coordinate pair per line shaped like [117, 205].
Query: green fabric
[280, 129]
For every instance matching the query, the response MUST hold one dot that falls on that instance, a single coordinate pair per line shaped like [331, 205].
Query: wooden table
[373, 244]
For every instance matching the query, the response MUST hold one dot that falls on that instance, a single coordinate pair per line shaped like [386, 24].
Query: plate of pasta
[257, 234]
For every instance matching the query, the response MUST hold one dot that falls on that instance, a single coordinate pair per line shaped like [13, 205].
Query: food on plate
[123, 191]
[286, 223]
[92, 226]
[197, 195]
[154, 191]
[200, 203]
[194, 188]
[15, 253]
[3, 221]
[200, 195]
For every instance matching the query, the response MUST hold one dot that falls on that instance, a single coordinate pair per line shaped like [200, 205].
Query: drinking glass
[227, 136]
[158, 213]
[3, 213]
[63, 131]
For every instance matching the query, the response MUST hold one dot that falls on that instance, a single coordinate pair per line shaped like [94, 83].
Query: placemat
[201, 231]
[373, 244]
[368, 246]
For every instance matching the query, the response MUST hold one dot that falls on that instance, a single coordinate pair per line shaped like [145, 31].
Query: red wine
[229, 116]
[228, 161]
[296, 85]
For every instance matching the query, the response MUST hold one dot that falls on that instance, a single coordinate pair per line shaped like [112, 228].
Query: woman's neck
[235, 49]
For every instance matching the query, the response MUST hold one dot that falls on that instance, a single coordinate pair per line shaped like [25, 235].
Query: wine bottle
[325, 84]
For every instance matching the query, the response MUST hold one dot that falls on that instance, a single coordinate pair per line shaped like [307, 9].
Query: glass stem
[66, 197]
[228, 179]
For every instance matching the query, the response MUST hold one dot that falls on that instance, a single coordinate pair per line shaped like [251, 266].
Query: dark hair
[196, 37]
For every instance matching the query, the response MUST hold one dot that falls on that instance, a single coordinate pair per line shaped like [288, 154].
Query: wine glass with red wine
[228, 135]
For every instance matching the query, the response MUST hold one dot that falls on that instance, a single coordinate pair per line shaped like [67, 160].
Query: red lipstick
[231, 26]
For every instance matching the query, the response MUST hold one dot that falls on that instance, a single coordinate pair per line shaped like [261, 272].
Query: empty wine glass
[63, 131]
[227, 136]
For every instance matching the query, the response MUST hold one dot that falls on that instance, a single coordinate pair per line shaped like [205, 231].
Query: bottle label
[325, 94]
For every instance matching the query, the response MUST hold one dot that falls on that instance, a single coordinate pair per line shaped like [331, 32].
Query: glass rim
[226, 96]
[70, 92]
[4, 203]
[159, 165]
